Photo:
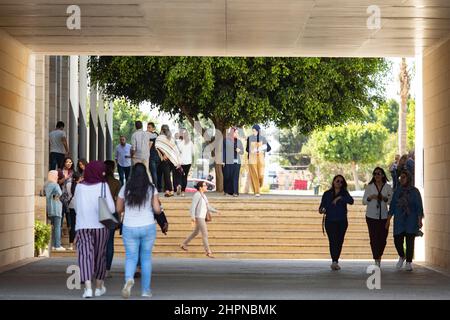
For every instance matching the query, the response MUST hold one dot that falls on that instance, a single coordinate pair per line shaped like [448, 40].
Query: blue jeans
[154, 163]
[110, 249]
[138, 242]
[124, 173]
[56, 231]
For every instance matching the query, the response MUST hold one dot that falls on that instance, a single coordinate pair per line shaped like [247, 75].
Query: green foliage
[410, 125]
[42, 234]
[291, 143]
[124, 116]
[307, 92]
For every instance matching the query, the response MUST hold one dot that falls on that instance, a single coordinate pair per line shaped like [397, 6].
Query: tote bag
[105, 216]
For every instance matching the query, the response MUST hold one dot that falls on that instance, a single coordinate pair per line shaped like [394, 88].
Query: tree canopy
[306, 92]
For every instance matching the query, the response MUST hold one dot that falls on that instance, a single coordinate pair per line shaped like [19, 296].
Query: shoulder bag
[105, 216]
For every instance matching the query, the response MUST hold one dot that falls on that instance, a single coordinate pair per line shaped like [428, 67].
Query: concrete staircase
[270, 227]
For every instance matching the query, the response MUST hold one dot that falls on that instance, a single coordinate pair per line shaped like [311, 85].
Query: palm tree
[405, 80]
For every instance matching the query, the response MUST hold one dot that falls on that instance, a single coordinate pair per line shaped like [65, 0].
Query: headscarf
[94, 173]
[257, 128]
[52, 176]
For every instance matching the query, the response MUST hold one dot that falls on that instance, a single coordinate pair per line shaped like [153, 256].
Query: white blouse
[377, 210]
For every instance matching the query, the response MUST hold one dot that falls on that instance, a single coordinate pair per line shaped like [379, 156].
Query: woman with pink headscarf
[54, 208]
[92, 236]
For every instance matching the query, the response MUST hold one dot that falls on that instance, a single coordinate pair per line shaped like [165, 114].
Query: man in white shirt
[123, 160]
[140, 146]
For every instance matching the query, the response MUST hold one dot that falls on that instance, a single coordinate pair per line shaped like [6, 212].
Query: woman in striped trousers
[91, 235]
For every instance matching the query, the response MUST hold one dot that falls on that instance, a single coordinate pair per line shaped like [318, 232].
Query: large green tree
[353, 143]
[291, 143]
[307, 92]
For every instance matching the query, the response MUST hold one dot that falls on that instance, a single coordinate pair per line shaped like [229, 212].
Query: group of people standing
[404, 203]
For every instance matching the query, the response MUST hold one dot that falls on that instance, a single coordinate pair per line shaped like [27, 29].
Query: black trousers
[231, 178]
[56, 160]
[399, 240]
[71, 221]
[167, 168]
[378, 236]
[336, 233]
[183, 177]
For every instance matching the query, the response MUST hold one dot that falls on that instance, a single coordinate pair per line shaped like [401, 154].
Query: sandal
[210, 255]
[183, 247]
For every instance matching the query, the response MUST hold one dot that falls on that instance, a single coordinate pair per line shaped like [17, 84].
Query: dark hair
[344, 182]
[138, 124]
[76, 176]
[110, 166]
[165, 130]
[385, 179]
[199, 185]
[151, 124]
[136, 189]
[83, 161]
[72, 168]
[60, 125]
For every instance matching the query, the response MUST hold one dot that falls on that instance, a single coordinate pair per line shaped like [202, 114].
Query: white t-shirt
[55, 139]
[86, 205]
[186, 151]
[140, 143]
[138, 216]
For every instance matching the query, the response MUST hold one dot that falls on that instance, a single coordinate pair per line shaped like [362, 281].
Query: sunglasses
[339, 181]
[378, 174]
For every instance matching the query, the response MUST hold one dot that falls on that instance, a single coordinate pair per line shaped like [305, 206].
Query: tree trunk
[404, 93]
[355, 175]
[218, 155]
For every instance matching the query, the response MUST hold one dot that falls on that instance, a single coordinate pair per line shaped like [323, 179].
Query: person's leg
[371, 225]
[110, 249]
[127, 171]
[148, 237]
[184, 181]
[382, 237]
[261, 165]
[101, 237]
[177, 176]
[342, 229]
[252, 168]
[219, 177]
[57, 229]
[160, 176]
[121, 173]
[72, 223]
[332, 231]
[52, 161]
[226, 178]
[166, 174]
[398, 241]
[85, 253]
[236, 172]
[131, 244]
[192, 235]
[410, 238]
[204, 231]
[154, 172]
[60, 159]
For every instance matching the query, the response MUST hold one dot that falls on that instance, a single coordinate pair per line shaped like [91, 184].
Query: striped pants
[91, 249]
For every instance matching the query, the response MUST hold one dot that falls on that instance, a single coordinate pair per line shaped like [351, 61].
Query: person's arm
[117, 155]
[66, 146]
[240, 147]
[419, 205]
[120, 205]
[133, 145]
[366, 198]
[109, 199]
[324, 203]
[348, 198]
[156, 205]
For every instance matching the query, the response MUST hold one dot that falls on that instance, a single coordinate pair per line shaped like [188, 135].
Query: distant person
[54, 208]
[257, 146]
[200, 208]
[393, 171]
[140, 145]
[407, 210]
[334, 206]
[72, 216]
[67, 171]
[114, 187]
[411, 165]
[92, 236]
[186, 148]
[170, 158]
[123, 160]
[58, 147]
[81, 165]
[232, 151]
[377, 197]
[139, 202]
[154, 161]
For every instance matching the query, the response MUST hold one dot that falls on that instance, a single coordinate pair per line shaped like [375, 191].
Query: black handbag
[162, 221]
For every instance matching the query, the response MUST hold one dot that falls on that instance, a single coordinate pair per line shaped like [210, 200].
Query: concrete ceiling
[228, 27]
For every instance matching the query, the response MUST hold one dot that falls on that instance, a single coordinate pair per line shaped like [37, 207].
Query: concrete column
[93, 123]
[17, 159]
[73, 107]
[436, 95]
[40, 125]
[109, 131]
[53, 91]
[82, 119]
[101, 127]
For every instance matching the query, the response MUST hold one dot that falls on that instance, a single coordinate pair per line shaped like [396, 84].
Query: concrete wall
[17, 137]
[436, 94]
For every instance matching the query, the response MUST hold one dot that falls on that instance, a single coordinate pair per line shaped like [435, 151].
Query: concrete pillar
[109, 131]
[40, 125]
[82, 119]
[101, 127]
[17, 159]
[436, 97]
[53, 92]
[73, 107]
[93, 123]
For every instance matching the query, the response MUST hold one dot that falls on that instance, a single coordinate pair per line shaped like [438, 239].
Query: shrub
[42, 234]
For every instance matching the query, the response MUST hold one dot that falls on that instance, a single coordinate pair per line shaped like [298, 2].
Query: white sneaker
[100, 292]
[53, 248]
[337, 266]
[126, 291]
[147, 295]
[178, 190]
[400, 262]
[257, 195]
[87, 293]
[60, 249]
[408, 266]
[378, 263]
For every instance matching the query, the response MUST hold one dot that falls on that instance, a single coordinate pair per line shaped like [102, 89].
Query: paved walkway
[204, 279]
